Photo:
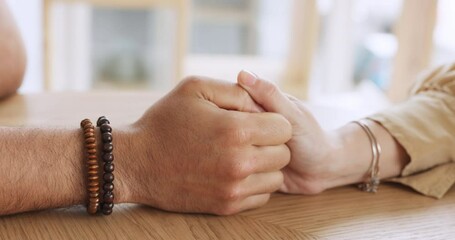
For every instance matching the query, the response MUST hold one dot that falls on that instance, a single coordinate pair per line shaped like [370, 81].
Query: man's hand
[207, 147]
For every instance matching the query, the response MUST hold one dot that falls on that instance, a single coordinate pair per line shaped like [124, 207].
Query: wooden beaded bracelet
[93, 185]
[108, 167]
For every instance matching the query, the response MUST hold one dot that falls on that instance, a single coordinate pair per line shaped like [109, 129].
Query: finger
[267, 95]
[253, 202]
[261, 129]
[269, 158]
[223, 94]
[261, 183]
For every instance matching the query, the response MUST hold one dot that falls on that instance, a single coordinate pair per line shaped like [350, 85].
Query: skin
[324, 159]
[13, 59]
[205, 147]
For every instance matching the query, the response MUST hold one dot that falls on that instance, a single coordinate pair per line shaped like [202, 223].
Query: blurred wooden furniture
[304, 41]
[414, 32]
[181, 34]
[395, 212]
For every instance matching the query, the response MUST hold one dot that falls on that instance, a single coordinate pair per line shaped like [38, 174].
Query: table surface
[342, 213]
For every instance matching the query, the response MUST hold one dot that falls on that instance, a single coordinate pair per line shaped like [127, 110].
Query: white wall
[28, 15]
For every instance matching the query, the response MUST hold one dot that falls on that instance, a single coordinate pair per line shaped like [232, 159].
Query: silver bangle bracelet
[372, 182]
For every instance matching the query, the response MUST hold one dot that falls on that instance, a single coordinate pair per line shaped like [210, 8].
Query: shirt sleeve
[425, 126]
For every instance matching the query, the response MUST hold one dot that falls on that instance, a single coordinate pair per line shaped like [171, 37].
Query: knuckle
[190, 82]
[226, 209]
[230, 194]
[236, 169]
[270, 88]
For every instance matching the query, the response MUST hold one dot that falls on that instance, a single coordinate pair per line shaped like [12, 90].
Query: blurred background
[352, 53]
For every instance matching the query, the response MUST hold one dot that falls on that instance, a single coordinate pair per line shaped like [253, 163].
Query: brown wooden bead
[92, 209]
[92, 173]
[94, 189]
[94, 200]
[105, 128]
[89, 140]
[108, 177]
[94, 195]
[85, 122]
[93, 184]
[92, 157]
[93, 205]
[91, 151]
[90, 145]
[108, 197]
[92, 163]
[109, 167]
[89, 134]
[108, 187]
[89, 129]
[93, 167]
[93, 177]
[108, 147]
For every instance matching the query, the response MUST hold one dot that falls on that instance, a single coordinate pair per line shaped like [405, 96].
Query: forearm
[44, 168]
[353, 154]
[12, 53]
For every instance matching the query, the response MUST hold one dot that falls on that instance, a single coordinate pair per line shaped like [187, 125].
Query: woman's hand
[312, 168]
[324, 159]
[190, 154]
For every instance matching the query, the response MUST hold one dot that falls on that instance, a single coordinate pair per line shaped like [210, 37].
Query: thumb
[268, 95]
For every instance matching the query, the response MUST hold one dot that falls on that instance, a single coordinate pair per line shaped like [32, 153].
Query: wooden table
[343, 213]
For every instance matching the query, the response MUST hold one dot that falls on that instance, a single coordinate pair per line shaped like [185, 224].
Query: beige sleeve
[425, 126]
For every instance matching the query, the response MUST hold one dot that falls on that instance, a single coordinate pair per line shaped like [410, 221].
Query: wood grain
[395, 212]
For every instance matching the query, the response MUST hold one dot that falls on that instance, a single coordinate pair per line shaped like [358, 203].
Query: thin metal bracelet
[372, 182]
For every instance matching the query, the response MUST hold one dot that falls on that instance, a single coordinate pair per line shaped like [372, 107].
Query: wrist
[350, 155]
[353, 154]
[126, 157]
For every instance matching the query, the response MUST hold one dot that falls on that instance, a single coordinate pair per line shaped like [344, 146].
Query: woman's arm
[12, 53]
[319, 159]
[417, 139]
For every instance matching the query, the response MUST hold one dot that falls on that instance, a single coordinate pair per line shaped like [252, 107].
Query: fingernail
[249, 78]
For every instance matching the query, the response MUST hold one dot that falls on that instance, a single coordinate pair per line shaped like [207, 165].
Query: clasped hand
[216, 147]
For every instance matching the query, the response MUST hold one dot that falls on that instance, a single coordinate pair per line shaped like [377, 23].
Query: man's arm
[44, 168]
[188, 153]
[12, 53]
